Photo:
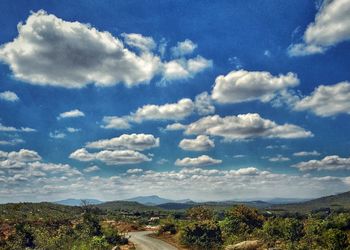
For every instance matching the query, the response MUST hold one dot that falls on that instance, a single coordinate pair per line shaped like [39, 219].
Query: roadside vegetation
[51, 226]
[241, 227]
[48, 226]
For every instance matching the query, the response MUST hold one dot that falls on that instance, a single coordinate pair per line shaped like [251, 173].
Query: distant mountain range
[77, 202]
[153, 200]
[285, 200]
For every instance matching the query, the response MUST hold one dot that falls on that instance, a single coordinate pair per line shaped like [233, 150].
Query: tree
[200, 213]
[313, 231]
[202, 235]
[336, 239]
[169, 226]
[241, 220]
[292, 229]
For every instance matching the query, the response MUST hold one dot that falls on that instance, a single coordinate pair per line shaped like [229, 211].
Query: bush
[200, 213]
[289, 230]
[335, 239]
[112, 236]
[99, 243]
[167, 226]
[201, 235]
[241, 220]
[313, 230]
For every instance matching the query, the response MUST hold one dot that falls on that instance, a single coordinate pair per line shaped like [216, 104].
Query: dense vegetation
[205, 229]
[320, 224]
[50, 226]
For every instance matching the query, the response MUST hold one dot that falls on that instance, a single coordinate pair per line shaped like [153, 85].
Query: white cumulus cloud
[110, 157]
[327, 100]
[331, 26]
[245, 126]
[137, 142]
[115, 122]
[49, 51]
[331, 162]
[200, 143]
[9, 96]
[175, 126]
[203, 160]
[91, 169]
[241, 86]
[183, 68]
[183, 48]
[71, 114]
[170, 111]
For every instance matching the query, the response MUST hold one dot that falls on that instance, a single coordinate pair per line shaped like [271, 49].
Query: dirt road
[144, 242]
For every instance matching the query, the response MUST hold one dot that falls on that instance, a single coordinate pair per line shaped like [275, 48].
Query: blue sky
[183, 99]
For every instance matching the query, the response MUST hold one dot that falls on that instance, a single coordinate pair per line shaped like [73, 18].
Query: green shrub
[335, 239]
[200, 213]
[241, 220]
[112, 236]
[167, 226]
[201, 235]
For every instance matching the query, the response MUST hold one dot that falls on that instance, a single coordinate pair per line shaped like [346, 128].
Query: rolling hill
[127, 206]
[155, 200]
[333, 202]
[77, 202]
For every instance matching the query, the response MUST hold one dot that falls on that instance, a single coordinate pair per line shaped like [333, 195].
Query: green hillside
[332, 202]
[37, 211]
[127, 206]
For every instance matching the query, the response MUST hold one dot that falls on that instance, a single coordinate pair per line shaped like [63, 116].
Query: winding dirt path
[142, 241]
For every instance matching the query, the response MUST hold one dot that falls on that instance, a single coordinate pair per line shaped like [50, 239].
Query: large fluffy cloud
[110, 157]
[241, 85]
[25, 163]
[200, 161]
[200, 143]
[331, 26]
[137, 142]
[332, 162]
[51, 51]
[327, 100]
[245, 126]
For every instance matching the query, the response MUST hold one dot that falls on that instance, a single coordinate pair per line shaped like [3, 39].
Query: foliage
[241, 220]
[335, 239]
[201, 235]
[200, 213]
[51, 226]
[168, 226]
